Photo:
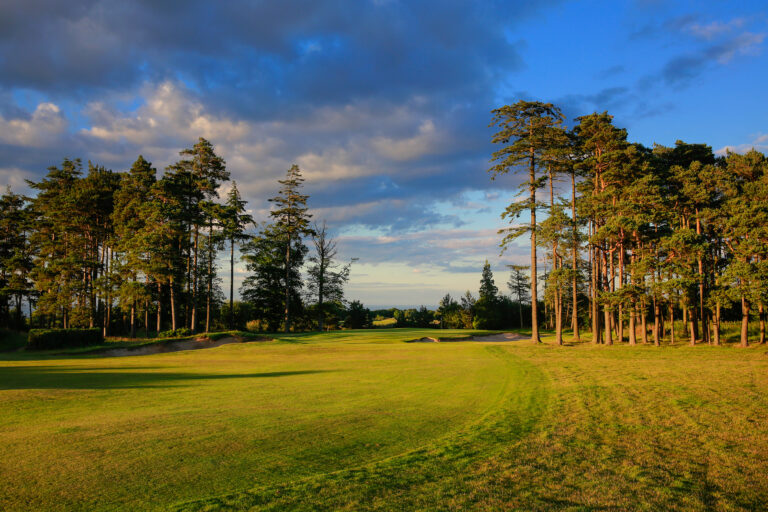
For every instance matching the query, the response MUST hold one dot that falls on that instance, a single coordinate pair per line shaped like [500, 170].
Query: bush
[12, 340]
[181, 332]
[47, 339]
[254, 326]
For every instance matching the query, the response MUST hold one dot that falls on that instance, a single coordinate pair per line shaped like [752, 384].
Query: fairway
[361, 420]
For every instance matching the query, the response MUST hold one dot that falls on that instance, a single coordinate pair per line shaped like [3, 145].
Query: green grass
[357, 420]
[386, 322]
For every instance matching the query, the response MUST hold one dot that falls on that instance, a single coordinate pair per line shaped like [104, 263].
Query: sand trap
[424, 340]
[170, 346]
[506, 336]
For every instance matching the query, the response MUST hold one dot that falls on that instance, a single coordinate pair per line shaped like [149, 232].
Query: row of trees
[491, 309]
[106, 248]
[647, 235]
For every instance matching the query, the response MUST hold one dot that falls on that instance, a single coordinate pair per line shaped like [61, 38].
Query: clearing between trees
[361, 420]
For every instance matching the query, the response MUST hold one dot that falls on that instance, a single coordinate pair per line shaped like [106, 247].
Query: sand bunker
[169, 346]
[507, 336]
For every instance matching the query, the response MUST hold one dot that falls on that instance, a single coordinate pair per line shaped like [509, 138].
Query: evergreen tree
[198, 178]
[15, 259]
[130, 220]
[517, 285]
[291, 225]
[234, 220]
[529, 132]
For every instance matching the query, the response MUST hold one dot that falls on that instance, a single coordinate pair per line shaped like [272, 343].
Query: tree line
[635, 238]
[119, 250]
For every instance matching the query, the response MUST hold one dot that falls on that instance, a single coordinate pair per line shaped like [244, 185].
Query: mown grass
[362, 421]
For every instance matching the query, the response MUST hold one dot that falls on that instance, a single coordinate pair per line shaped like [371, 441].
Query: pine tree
[291, 225]
[234, 219]
[130, 220]
[529, 132]
[15, 259]
[198, 177]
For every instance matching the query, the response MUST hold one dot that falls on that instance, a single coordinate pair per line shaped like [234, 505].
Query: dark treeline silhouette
[644, 237]
[129, 250]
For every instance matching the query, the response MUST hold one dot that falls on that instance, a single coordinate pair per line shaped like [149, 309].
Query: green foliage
[358, 316]
[384, 323]
[12, 340]
[48, 339]
[182, 332]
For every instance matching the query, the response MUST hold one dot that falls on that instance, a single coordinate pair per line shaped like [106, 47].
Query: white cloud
[44, 126]
[404, 149]
[168, 110]
[759, 143]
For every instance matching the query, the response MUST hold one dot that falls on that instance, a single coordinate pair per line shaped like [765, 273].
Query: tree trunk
[608, 332]
[671, 324]
[108, 320]
[716, 324]
[288, 286]
[620, 315]
[534, 284]
[133, 319]
[210, 278]
[574, 263]
[558, 307]
[692, 326]
[595, 285]
[656, 318]
[193, 322]
[644, 325]
[761, 311]
[173, 304]
[159, 306]
[320, 298]
[744, 322]
[231, 284]
[703, 313]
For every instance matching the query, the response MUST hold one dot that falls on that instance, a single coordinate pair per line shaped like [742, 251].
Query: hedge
[46, 339]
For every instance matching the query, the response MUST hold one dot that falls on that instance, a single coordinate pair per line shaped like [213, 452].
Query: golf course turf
[362, 420]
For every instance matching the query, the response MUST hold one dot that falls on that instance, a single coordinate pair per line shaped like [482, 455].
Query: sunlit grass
[361, 420]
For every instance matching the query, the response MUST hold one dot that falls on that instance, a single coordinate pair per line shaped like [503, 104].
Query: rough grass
[360, 420]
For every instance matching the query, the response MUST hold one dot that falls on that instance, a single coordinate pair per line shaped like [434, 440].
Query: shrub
[47, 339]
[254, 326]
[12, 340]
[181, 332]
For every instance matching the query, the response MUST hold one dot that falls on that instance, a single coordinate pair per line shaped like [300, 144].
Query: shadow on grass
[57, 377]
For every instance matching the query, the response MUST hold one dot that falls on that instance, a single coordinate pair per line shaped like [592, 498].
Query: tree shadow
[63, 377]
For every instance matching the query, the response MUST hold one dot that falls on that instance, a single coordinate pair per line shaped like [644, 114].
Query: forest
[632, 240]
[648, 236]
[123, 250]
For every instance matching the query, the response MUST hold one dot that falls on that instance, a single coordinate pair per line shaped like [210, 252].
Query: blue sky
[384, 104]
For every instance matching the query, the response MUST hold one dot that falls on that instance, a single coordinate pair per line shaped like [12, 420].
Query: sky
[384, 104]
